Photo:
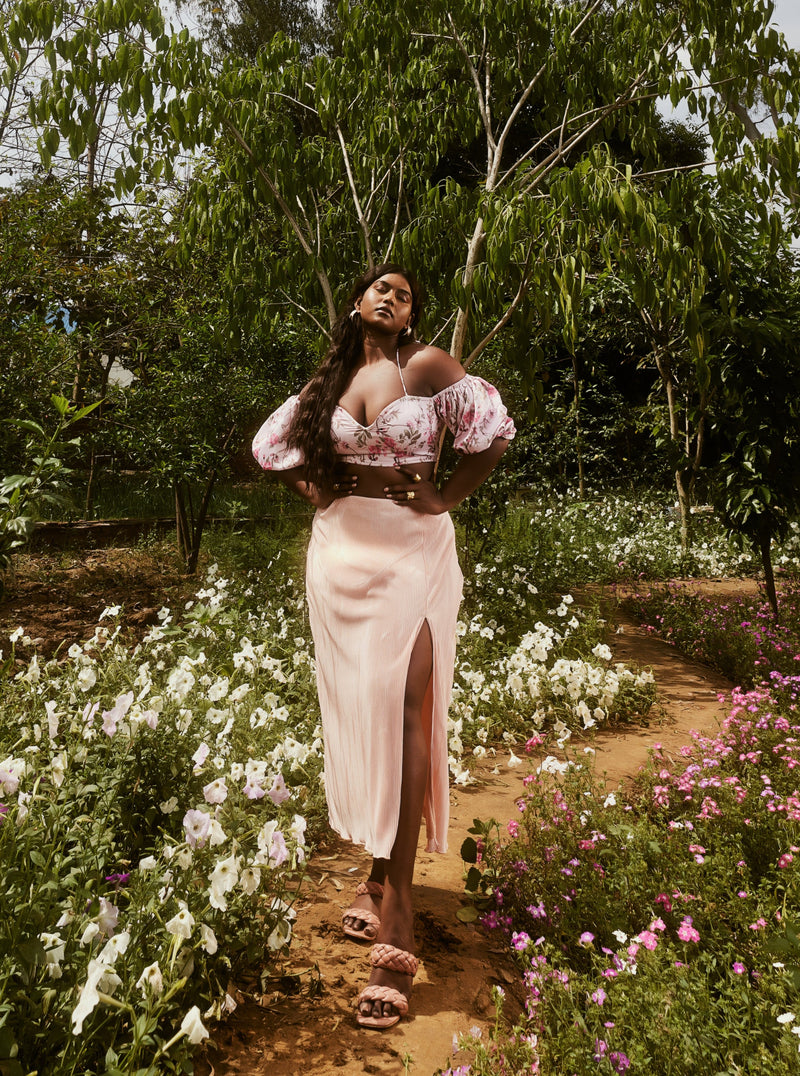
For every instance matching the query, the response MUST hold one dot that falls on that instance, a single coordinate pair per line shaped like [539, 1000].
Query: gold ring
[417, 477]
[410, 495]
[336, 486]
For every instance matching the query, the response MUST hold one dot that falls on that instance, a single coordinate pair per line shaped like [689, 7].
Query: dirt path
[58, 597]
[458, 963]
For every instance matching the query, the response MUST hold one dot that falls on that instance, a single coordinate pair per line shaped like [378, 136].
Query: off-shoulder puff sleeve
[269, 444]
[474, 413]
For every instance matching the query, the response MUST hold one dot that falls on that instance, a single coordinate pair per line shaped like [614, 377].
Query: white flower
[208, 939]
[223, 878]
[89, 996]
[785, 1018]
[216, 791]
[107, 917]
[113, 947]
[602, 651]
[147, 863]
[54, 953]
[552, 765]
[91, 932]
[197, 825]
[181, 923]
[168, 806]
[239, 692]
[16, 635]
[151, 977]
[192, 1026]
[179, 683]
[610, 800]
[86, 679]
[514, 761]
[218, 690]
[250, 880]
[58, 767]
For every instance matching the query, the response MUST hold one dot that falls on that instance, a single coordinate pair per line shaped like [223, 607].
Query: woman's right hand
[343, 486]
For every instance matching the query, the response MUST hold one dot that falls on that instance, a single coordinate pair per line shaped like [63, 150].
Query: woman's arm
[295, 481]
[467, 475]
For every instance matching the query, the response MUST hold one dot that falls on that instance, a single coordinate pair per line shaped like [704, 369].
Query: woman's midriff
[372, 481]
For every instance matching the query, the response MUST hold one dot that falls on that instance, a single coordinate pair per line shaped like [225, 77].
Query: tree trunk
[763, 543]
[576, 384]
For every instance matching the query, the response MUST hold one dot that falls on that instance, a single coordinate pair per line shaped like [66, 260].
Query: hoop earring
[355, 312]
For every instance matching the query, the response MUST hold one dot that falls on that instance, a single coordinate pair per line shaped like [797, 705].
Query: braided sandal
[391, 959]
[372, 922]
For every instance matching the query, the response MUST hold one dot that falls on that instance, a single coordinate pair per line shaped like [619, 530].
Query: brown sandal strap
[393, 959]
[364, 915]
[385, 994]
[375, 889]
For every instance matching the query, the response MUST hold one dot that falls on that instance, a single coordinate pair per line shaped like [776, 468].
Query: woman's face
[387, 304]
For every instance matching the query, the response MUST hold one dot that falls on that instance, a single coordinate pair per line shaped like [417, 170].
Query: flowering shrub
[658, 931]
[511, 685]
[157, 802]
[607, 537]
[152, 831]
[738, 636]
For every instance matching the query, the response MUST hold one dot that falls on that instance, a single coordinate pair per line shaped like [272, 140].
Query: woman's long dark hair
[311, 428]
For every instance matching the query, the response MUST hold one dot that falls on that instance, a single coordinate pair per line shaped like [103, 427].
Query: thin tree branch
[302, 239]
[506, 317]
[482, 105]
[356, 201]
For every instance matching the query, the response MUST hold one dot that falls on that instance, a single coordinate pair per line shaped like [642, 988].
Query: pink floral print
[406, 431]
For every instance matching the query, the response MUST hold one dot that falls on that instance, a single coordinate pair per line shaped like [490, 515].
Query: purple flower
[619, 1061]
[738, 967]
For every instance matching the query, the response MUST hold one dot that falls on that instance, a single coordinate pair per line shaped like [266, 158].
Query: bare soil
[304, 1022]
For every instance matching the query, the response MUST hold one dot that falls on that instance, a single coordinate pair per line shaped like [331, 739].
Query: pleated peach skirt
[375, 573]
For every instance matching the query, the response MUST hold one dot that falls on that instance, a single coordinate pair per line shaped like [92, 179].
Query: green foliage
[647, 924]
[735, 635]
[22, 496]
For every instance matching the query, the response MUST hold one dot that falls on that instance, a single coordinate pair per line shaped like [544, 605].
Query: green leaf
[469, 850]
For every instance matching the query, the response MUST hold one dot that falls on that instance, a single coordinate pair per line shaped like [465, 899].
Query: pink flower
[785, 860]
[686, 932]
[253, 789]
[586, 939]
[599, 996]
[513, 828]
[279, 792]
[648, 939]
[739, 968]
[197, 825]
[658, 924]
[759, 924]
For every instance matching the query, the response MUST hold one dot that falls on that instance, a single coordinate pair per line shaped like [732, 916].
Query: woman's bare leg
[397, 872]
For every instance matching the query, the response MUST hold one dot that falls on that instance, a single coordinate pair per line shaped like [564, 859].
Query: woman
[360, 443]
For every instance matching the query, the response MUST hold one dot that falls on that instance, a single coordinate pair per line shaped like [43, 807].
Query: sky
[787, 18]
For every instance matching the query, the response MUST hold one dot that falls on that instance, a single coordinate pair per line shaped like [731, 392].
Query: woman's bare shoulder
[433, 367]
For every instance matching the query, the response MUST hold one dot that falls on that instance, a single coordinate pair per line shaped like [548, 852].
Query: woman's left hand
[417, 492]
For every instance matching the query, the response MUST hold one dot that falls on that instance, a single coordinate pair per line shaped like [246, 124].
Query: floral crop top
[405, 432]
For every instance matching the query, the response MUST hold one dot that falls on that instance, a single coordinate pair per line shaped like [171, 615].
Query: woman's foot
[385, 1000]
[362, 920]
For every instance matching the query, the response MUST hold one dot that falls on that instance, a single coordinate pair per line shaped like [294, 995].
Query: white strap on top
[400, 371]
